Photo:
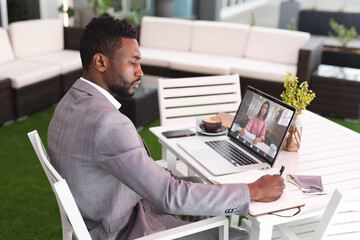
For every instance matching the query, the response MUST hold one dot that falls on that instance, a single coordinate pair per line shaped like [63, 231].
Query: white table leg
[261, 231]
[170, 158]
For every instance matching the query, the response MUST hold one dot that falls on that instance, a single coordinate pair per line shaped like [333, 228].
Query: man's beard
[124, 91]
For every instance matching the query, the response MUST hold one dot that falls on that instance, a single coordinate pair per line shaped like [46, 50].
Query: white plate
[221, 131]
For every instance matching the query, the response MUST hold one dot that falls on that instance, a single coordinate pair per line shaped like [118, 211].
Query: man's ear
[100, 62]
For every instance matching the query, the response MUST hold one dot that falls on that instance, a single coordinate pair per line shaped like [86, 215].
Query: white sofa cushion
[6, 52]
[204, 63]
[36, 37]
[263, 70]
[221, 38]
[68, 60]
[275, 45]
[23, 72]
[165, 33]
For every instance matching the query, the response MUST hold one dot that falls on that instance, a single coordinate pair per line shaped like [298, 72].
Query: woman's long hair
[259, 113]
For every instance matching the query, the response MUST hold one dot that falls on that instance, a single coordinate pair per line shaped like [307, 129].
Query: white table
[327, 149]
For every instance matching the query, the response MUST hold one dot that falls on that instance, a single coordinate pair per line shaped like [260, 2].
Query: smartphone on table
[178, 133]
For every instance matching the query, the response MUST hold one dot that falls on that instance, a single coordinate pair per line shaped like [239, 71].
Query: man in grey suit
[121, 192]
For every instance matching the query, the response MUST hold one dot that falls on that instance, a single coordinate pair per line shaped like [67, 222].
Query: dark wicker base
[38, 96]
[272, 88]
[336, 97]
[6, 101]
[68, 79]
[341, 58]
[157, 71]
[72, 36]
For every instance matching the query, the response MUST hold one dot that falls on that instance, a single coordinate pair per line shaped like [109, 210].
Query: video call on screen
[277, 120]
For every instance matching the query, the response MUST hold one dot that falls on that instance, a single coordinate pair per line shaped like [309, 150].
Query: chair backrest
[342, 216]
[181, 100]
[52, 175]
[340, 220]
[72, 222]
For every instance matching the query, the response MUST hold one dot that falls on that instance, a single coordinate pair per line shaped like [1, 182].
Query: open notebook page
[287, 201]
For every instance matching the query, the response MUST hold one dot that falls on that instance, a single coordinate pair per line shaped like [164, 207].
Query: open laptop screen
[261, 123]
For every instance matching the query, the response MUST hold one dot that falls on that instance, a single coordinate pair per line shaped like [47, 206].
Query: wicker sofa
[39, 68]
[261, 56]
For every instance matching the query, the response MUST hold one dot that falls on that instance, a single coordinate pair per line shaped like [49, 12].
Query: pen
[282, 170]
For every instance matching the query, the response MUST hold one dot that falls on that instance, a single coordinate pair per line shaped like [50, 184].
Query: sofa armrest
[72, 36]
[309, 58]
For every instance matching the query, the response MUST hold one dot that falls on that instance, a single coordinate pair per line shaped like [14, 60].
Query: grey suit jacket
[120, 191]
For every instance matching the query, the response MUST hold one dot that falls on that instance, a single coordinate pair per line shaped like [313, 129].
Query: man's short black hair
[103, 35]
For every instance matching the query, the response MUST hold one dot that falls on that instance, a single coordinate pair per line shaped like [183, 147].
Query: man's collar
[111, 99]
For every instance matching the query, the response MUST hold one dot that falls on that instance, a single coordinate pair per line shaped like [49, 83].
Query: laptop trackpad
[200, 151]
[206, 155]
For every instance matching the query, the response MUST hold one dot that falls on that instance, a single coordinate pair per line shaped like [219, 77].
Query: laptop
[237, 151]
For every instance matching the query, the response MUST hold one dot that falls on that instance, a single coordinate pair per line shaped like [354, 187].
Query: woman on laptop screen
[257, 124]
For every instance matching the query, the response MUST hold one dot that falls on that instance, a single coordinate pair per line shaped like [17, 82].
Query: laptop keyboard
[231, 153]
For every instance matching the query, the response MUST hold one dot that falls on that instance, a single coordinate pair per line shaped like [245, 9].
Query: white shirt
[104, 92]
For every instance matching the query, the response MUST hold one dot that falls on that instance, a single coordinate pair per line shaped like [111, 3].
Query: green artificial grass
[28, 208]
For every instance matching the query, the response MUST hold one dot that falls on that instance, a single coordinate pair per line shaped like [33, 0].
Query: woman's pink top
[256, 127]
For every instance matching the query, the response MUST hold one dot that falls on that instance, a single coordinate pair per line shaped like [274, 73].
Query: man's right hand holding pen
[268, 188]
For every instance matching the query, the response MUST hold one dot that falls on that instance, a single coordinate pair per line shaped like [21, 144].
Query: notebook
[289, 200]
[237, 152]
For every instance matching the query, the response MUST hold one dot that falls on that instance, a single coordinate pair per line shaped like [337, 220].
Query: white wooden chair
[181, 100]
[340, 220]
[73, 223]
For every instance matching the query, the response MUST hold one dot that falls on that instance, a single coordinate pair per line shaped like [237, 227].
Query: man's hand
[268, 188]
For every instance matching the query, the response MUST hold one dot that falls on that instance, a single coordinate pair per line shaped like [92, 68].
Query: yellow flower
[299, 97]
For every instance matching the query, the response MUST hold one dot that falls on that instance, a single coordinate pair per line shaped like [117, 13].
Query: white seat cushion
[68, 60]
[36, 37]
[263, 70]
[203, 63]
[23, 72]
[165, 33]
[6, 52]
[221, 38]
[275, 45]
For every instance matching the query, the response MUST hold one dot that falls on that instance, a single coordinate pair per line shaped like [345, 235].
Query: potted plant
[300, 97]
[341, 33]
[342, 55]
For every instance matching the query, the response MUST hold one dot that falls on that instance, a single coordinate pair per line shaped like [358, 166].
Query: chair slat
[196, 81]
[345, 227]
[190, 101]
[198, 91]
[186, 111]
